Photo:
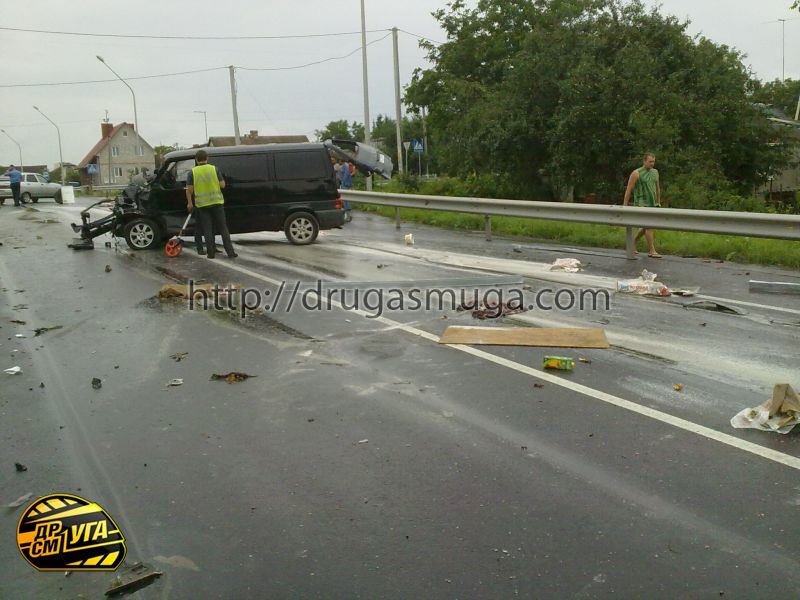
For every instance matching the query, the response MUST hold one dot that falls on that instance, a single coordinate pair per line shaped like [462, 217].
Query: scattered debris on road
[18, 322]
[19, 501]
[97, 383]
[560, 363]
[779, 413]
[714, 306]
[13, 370]
[686, 292]
[491, 310]
[538, 385]
[179, 356]
[232, 377]
[40, 330]
[570, 265]
[409, 239]
[582, 359]
[19, 335]
[526, 336]
[645, 285]
[677, 387]
[108, 268]
[132, 578]
[20, 467]
[175, 382]
[363, 441]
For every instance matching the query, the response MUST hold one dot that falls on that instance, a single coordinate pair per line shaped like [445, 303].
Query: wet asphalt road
[365, 460]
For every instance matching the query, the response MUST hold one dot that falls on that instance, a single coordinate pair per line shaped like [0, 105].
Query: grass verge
[730, 248]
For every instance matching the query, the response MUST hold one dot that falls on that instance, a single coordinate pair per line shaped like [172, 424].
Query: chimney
[106, 129]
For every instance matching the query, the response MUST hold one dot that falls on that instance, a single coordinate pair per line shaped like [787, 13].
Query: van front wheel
[301, 228]
[142, 234]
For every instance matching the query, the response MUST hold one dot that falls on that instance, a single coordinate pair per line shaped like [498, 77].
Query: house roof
[98, 147]
[251, 140]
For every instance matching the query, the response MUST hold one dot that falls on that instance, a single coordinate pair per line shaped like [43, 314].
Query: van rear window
[300, 165]
[242, 168]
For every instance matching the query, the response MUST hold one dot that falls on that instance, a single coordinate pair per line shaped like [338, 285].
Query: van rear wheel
[301, 228]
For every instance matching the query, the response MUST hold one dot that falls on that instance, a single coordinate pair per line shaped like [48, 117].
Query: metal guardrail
[763, 225]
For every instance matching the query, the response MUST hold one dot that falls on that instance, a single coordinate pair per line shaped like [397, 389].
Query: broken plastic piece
[19, 501]
[13, 370]
[570, 265]
[20, 467]
[232, 377]
[561, 363]
[175, 382]
[409, 239]
[677, 387]
[97, 383]
[133, 578]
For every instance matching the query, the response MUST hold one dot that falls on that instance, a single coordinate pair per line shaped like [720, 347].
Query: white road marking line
[707, 432]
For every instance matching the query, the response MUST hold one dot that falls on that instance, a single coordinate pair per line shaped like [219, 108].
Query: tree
[336, 130]
[568, 94]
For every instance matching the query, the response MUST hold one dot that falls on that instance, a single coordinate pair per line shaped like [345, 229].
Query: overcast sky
[296, 101]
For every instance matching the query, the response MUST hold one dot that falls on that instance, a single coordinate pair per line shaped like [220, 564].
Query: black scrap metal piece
[133, 579]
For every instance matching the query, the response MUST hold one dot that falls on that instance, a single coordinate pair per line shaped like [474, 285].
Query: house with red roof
[116, 157]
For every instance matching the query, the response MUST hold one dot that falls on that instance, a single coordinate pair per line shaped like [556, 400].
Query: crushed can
[561, 363]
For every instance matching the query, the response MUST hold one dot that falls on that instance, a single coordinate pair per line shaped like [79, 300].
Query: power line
[427, 39]
[318, 62]
[189, 37]
[18, 85]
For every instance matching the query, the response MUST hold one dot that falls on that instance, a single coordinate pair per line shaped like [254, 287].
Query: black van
[270, 187]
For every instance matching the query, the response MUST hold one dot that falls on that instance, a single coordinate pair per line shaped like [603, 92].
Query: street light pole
[20, 149]
[205, 122]
[135, 116]
[60, 154]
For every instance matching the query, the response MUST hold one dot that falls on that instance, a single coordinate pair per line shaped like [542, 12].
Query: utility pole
[366, 84]
[425, 144]
[797, 112]
[397, 109]
[783, 52]
[205, 122]
[237, 139]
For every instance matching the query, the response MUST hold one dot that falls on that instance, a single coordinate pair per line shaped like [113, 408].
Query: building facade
[117, 157]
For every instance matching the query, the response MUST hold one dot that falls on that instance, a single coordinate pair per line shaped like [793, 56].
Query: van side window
[300, 165]
[242, 168]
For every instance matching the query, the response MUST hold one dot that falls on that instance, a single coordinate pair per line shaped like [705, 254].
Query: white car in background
[32, 187]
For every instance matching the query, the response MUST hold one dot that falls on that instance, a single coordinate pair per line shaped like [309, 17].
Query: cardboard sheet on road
[525, 336]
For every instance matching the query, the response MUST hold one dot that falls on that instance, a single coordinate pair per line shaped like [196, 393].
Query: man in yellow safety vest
[206, 183]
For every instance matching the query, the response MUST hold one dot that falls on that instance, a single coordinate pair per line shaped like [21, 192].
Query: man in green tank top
[644, 186]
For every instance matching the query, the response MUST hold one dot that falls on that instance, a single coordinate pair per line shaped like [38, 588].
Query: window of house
[139, 150]
[117, 172]
[114, 150]
[124, 133]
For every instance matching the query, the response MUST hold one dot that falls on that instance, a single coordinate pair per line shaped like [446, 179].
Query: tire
[35, 200]
[301, 228]
[26, 197]
[57, 197]
[142, 234]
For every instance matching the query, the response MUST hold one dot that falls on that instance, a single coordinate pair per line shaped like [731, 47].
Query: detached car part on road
[32, 187]
[270, 187]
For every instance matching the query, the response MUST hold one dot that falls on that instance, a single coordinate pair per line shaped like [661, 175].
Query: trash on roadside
[19, 501]
[677, 387]
[715, 306]
[232, 377]
[560, 363]
[363, 441]
[20, 467]
[779, 413]
[13, 370]
[97, 383]
[588, 361]
[19, 335]
[570, 265]
[176, 291]
[175, 382]
[17, 321]
[538, 385]
[409, 239]
[645, 285]
[179, 356]
[40, 330]
[132, 578]
[108, 268]
[685, 291]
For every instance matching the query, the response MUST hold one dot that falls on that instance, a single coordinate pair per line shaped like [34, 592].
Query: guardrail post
[487, 222]
[630, 245]
[397, 217]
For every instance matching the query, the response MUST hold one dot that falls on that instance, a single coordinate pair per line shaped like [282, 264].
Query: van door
[246, 190]
[303, 179]
[166, 200]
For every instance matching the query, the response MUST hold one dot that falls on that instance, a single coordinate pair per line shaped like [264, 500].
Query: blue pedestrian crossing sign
[417, 145]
